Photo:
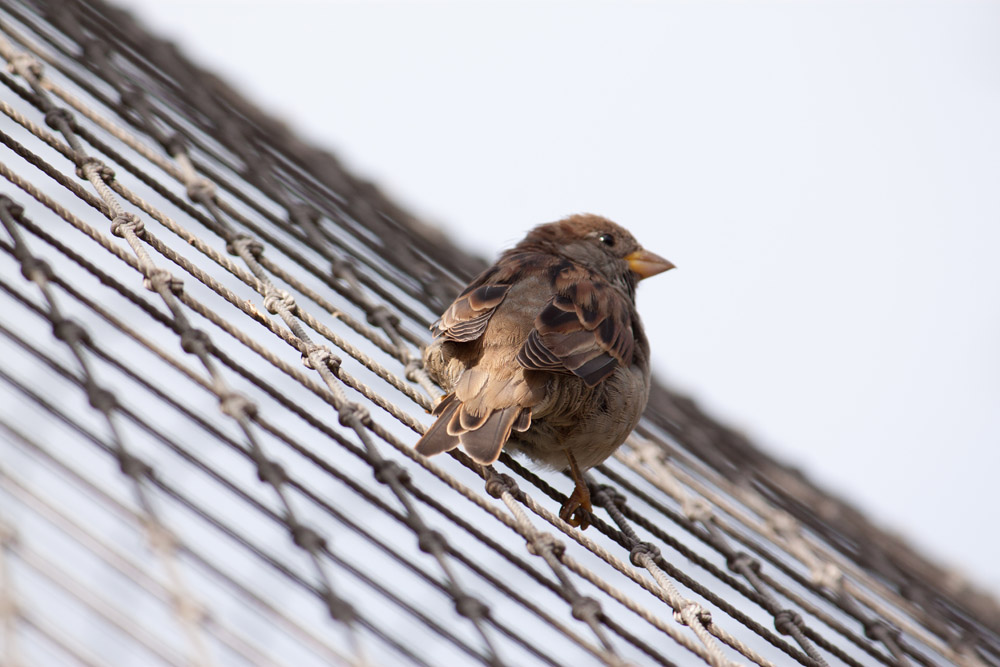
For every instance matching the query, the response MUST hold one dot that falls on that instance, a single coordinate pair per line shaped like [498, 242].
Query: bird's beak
[645, 264]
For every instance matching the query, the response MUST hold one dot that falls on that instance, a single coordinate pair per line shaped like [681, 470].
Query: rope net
[210, 389]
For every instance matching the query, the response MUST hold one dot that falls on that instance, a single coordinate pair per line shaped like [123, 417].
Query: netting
[211, 386]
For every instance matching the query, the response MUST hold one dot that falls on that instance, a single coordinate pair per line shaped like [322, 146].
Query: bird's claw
[576, 510]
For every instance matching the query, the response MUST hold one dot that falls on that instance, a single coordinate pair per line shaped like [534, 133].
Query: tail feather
[469, 420]
[437, 439]
[523, 422]
[481, 437]
[484, 444]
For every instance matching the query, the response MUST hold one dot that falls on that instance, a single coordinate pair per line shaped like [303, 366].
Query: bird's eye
[606, 239]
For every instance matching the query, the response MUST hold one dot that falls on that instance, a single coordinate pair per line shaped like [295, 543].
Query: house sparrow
[546, 343]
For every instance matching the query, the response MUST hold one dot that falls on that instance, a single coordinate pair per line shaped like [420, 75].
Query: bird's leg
[576, 510]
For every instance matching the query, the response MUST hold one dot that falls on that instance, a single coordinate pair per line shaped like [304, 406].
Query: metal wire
[176, 489]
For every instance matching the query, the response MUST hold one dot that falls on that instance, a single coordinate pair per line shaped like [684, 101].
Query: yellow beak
[645, 264]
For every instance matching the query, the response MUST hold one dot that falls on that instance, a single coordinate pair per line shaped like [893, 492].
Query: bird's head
[600, 245]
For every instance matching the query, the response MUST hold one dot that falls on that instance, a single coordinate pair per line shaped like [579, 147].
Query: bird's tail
[437, 439]
[484, 443]
[481, 437]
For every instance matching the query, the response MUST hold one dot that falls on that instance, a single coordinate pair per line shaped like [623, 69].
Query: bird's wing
[585, 329]
[466, 318]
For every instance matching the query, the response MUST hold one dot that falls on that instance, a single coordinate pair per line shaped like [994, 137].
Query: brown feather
[546, 342]
[586, 331]
[484, 444]
[437, 439]
[523, 422]
[467, 317]
[471, 421]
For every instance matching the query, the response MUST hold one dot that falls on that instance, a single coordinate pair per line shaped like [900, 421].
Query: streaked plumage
[544, 352]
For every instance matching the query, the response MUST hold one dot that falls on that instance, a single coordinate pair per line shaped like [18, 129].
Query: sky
[823, 174]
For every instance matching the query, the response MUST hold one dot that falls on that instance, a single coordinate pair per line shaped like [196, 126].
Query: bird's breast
[591, 422]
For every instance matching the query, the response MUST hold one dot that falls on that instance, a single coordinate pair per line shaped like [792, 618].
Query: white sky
[825, 175]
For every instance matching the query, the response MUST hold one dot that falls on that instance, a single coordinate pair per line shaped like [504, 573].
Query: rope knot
[175, 144]
[609, 495]
[380, 316]
[787, 621]
[271, 472]
[499, 483]
[300, 213]
[641, 549]
[194, 341]
[692, 613]
[339, 609]
[88, 164]
[698, 510]
[15, 209]
[827, 575]
[133, 466]
[470, 607]
[161, 278]
[25, 64]
[319, 356]
[278, 300]
[387, 471]
[341, 268]
[201, 190]
[132, 97]
[101, 399]
[35, 269]
[353, 411]
[70, 332]
[242, 245]
[430, 541]
[586, 609]
[237, 405]
[306, 538]
[59, 119]
[880, 631]
[126, 222]
[741, 561]
[547, 542]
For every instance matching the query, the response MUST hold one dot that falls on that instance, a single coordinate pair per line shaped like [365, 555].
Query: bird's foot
[576, 510]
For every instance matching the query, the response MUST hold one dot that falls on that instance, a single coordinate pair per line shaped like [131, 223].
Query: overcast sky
[824, 174]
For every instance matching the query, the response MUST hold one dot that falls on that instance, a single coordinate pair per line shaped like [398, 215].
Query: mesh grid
[211, 385]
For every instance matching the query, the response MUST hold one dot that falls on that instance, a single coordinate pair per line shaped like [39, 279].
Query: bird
[544, 353]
